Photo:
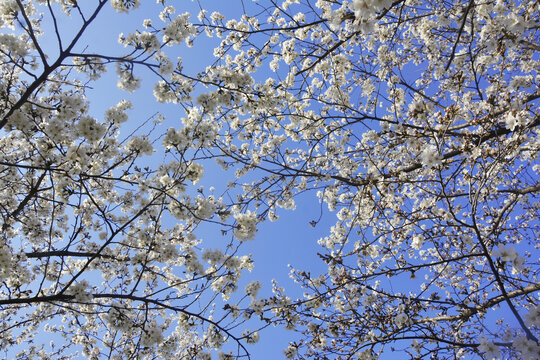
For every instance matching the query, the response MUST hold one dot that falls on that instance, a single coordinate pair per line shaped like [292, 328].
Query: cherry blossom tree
[99, 244]
[416, 125]
[414, 122]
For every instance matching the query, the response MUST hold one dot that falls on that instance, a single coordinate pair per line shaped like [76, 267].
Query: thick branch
[470, 311]
[460, 31]
[63, 253]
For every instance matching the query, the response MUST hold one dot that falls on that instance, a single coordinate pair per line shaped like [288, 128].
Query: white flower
[274, 64]
[205, 207]
[215, 16]
[194, 172]
[528, 348]
[251, 337]
[505, 253]
[430, 157]
[252, 289]
[165, 64]
[400, 319]
[517, 265]
[89, 128]
[118, 318]
[511, 122]
[213, 256]
[5, 262]
[80, 291]
[163, 92]
[213, 337]
[178, 30]
[225, 356]
[533, 317]
[490, 349]
[365, 355]
[124, 6]
[151, 335]
[246, 226]
[417, 242]
[117, 113]
[291, 351]
[126, 80]
[140, 144]
[129, 84]
[288, 52]
[145, 41]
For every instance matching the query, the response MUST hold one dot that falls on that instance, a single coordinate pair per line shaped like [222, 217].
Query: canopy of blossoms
[415, 123]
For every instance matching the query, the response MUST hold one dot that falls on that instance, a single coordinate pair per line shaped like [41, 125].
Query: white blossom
[246, 225]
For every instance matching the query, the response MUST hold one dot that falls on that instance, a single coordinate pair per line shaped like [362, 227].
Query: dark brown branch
[527, 190]
[468, 312]
[33, 191]
[499, 281]
[62, 253]
[453, 54]
[32, 35]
